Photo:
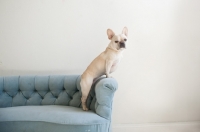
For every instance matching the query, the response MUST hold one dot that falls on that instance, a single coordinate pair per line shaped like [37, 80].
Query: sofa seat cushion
[51, 118]
[52, 114]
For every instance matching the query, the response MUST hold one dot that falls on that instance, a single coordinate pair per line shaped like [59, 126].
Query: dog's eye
[125, 39]
[116, 41]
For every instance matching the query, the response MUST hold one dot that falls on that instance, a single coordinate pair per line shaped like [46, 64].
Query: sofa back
[40, 90]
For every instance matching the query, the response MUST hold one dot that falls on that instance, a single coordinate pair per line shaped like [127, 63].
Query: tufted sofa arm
[104, 92]
[101, 96]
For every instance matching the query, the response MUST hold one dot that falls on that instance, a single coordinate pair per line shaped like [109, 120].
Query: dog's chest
[117, 60]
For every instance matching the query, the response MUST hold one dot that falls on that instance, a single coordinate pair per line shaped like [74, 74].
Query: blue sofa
[53, 104]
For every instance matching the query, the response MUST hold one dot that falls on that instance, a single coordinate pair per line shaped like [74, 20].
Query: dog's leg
[113, 68]
[86, 83]
[108, 68]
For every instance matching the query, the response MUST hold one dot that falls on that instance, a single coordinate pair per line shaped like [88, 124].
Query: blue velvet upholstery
[53, 103]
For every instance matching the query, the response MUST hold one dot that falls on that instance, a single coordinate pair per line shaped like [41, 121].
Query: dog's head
[118, 41]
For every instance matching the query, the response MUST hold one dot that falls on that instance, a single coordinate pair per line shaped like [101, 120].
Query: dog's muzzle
[122, 45]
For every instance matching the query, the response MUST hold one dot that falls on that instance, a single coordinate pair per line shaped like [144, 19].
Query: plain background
[159, 75]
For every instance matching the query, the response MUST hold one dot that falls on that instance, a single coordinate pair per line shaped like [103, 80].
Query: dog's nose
[122, 45]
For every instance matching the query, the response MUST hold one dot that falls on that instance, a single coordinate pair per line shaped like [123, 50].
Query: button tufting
[49, 89]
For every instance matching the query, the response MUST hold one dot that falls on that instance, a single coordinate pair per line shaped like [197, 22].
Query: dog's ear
[110, 33]
[125, 31]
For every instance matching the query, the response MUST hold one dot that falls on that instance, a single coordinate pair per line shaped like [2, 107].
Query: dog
[105, 63]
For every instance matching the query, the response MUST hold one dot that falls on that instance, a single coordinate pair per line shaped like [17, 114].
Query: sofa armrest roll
[104, 92]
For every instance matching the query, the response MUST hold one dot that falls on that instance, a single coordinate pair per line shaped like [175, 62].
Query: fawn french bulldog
[105, 63]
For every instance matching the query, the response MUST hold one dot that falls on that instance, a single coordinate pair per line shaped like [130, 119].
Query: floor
[158, 127]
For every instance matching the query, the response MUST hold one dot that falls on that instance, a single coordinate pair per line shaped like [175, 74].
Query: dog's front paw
[108, 76]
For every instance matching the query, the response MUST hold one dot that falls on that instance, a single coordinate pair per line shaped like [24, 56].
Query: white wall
[159, 76]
